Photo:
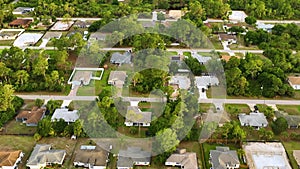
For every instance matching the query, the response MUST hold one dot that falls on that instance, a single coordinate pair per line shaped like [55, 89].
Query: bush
[280, 125]
[250, 20]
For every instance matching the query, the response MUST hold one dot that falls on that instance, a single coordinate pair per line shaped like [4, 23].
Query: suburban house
[181, 82]
[296, 154]
[133, 156]
[42, 156]
[20, 23]
[223, 157]
[175, 14]
[203, 82]
[22, 10]
[135, 117]
[294, 81]
[201, 59]
[183, 159]
[292, 120]
[65, 114]
[265, 27]
[82, 24]
[91, 157]
[256, 120]
[98, 36]
[119, 59]
[10, 34]
[117, 78]
[237, 16]
[228, 38]
[31, 117]
[82, 77]
[49, 35]
[262, 155]
[10, 159]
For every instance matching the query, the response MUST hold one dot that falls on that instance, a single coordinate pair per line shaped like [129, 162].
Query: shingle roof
[222, 156]
[117, 78]
[183, 82]
[9, 158]
[206, 81]
[65, 114]
[292, 120]
[20, 22]
[134, 114]
[33, 116]
[128, 157]
[253, 119]
[42, 154]
[49, 35]
[96, 157]
[119, 58]
[188, 160]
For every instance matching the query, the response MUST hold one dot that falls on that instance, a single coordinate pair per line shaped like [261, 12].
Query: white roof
[260, 25]
[253, 119]
[204, 81]
[182, 81]
[27, 38]
[266, 156]
[238, 16]
[65, 114]
[201, 59]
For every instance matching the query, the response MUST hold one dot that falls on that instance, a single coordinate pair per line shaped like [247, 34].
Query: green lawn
[88, 90]
[240, 55]
[14, 127]
[6, 42]
[217, 92]
[290, 109]
[187, 54]
[262, 107]
[1, 51]
[289, 147]
[23, 143]
[204, 107]
[215, 42]
[235, 109]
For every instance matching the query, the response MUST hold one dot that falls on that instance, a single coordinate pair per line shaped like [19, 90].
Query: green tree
[250, 20]
[38, 102]
[166, 140]
[279, 125]
[6, 97]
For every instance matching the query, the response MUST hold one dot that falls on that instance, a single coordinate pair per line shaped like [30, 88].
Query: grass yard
[187, 54]
[239, 55]
[290, 109]
[289, 147]
[214, 55]
[88, 90]
[234, 109]
[126, 131]
[14, 127]
[204, 107]
[6, 42]
[23, 143]
[217, 92]
[262, 107]
[215, 42]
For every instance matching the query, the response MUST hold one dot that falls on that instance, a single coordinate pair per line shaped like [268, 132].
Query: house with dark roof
[223, 158]
[133, 156]
[230, 39]
[92, 157]
[82, 24]
[118, 58]
[32, 117]
[256, 120]
[117, 78]
[10, 159]
[135, 117]
[183, 159]
[42, 156]
[20, 23]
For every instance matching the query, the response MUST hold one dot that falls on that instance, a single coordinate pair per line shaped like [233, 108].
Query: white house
[65, 114]
[294, 81]
[256, 120]
[22, 10]
[10, 159]
[42, 156]
[265, 27]
[237, 16]
[135, 117]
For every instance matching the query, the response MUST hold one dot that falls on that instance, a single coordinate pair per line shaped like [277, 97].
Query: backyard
[14, 127]
[289, 147]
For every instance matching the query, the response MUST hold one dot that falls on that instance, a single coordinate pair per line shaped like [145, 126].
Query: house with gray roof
[117, 78]
[118, 58]
[223, 158]
[133, 156]
[22, 10]
[292, 120]
[42, 156]
[181, 82]
[256, 120]
[183, 159]
[135, 117]
[206, 81]
[65, 114]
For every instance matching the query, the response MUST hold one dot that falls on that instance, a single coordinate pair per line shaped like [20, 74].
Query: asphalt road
[229, 101]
